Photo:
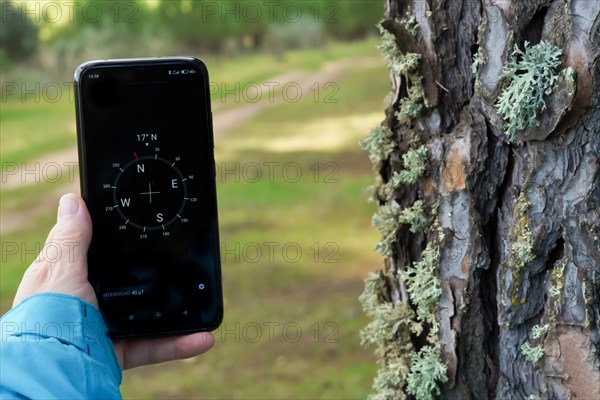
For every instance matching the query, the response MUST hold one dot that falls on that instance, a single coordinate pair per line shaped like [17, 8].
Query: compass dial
[150, 193]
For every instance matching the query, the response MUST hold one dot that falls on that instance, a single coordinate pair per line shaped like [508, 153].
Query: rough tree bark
[489, 194]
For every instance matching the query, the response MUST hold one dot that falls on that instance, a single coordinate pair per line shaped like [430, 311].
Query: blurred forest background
[54, 35]
[291, 318]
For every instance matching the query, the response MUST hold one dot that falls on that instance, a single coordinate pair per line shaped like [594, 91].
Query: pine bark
[475, 180]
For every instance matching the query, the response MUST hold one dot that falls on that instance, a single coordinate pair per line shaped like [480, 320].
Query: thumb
[72, 233]
[61, 266]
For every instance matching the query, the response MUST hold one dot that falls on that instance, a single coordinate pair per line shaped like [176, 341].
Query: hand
[62, 268]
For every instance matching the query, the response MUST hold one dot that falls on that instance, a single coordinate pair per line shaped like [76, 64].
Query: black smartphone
[146, 163]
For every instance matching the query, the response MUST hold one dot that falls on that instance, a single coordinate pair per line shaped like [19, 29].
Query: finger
[134, 353]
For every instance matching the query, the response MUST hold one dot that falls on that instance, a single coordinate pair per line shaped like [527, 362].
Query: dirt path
[225, 121]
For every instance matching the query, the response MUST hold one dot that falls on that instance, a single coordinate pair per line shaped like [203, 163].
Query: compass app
[147, 173]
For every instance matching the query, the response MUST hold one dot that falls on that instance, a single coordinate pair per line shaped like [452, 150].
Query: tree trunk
[509, 220]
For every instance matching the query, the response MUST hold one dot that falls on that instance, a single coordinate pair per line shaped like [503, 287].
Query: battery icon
[185, 71]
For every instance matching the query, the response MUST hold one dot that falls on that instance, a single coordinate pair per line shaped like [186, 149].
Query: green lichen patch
[521, 248]
[388, 47]
[423, 284]
[385, 220]
[415, 165]
[413, 216]
[411, 24]
[394, 323]
[557, 282]
[426, 370]
[379, 143]
[532, 353]
[389, 332]
[538, 331]
[410, 107]
[408, 66]
[478, 60]
[536, 353]
[531, 75]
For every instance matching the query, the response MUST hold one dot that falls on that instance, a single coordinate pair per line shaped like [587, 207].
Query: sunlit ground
[294, 222]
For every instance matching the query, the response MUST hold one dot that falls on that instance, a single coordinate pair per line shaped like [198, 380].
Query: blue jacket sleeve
[56, 346]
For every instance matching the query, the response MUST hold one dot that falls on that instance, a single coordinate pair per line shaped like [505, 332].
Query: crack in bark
[489, 288]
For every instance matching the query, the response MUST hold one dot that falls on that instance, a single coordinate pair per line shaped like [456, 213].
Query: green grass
[255, 68]
[316, 296]
[32, 129]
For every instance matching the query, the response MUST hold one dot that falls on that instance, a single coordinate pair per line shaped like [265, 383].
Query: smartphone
[147, 171]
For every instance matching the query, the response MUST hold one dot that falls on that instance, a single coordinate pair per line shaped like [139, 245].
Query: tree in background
[488, 186]
[18, 34]
[73, 32]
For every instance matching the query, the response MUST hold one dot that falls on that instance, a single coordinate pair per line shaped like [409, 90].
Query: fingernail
[68, 205]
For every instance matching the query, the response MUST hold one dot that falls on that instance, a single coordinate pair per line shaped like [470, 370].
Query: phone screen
[148, 178]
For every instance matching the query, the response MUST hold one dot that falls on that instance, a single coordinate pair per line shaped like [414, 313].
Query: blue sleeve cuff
[65, 318]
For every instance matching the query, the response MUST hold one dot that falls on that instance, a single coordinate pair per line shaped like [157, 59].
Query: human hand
[62, 268]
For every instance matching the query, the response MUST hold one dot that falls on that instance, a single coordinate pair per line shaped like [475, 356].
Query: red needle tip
[136, 157]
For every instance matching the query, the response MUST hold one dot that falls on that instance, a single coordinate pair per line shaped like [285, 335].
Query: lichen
[412, 105]
[425, 372]
[389, 332]
[379, 143]
[408, 66]
[388, 47]
[415, 165]
[410, 23]
[385, 220]
[531, 75]
[388, 219]
[478, 59]
[394, 323]
[557, 281]
[588, 297]
[423, 284]
[532, 353]
[521, 248]
[538, 331]
[414, 216]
